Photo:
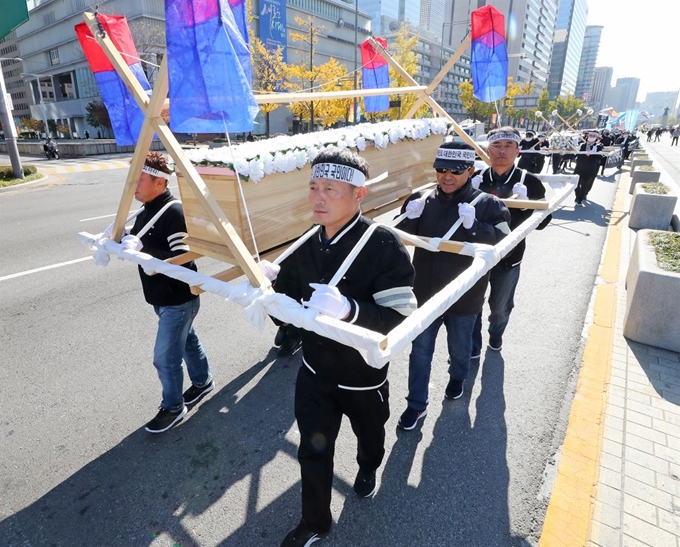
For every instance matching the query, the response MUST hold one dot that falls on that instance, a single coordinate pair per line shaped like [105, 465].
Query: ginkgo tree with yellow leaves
[269, 73]
[310, 77]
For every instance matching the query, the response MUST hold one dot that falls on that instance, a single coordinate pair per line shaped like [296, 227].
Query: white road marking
[103, 216]
[51, 267]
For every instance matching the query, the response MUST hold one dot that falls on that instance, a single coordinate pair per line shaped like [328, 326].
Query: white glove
[269, 269]
[415, 207]
[132, 243]
[329, 301]
[467, 213]
[520, 190]
[476, 181]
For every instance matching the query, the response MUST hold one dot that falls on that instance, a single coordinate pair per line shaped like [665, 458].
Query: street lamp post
[8, 124]
[40, 100]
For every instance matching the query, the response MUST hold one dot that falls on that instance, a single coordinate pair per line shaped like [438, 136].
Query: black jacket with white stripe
[164, 240]
[377, 285]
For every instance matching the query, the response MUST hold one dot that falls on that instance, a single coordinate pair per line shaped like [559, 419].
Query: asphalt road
[77, 385]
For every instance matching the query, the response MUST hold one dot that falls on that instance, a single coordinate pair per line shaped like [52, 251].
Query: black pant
[319, 409]
[585, 183]
[674, 142]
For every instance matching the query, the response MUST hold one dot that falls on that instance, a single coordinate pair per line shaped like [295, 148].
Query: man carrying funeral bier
[505, 180]
[433, 214]
[334, 379]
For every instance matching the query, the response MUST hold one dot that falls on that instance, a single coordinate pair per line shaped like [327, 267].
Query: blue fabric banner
[209, 68]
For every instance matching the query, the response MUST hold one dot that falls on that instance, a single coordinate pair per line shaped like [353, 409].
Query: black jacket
[436, 270]
[501, 186]
[164, 240]
[382, 272]
[588, 165]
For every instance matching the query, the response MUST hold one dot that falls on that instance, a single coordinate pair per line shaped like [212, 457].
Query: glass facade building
[569, 37]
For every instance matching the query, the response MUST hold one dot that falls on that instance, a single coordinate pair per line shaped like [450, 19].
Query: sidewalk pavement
[618, 479]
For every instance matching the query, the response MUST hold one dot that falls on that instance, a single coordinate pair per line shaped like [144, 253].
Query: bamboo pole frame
[154, 123]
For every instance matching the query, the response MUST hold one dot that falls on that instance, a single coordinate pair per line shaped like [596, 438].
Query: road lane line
[51, 267]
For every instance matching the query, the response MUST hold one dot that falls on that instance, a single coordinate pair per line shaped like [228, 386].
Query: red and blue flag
[489, 58]
[124, 112]
[209, 69]
[375, 74]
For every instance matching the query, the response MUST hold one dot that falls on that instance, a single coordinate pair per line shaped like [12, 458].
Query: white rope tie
[376, 348]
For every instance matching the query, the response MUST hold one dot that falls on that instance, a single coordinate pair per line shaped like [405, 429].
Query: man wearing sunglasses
[504, 179]
[432, 213]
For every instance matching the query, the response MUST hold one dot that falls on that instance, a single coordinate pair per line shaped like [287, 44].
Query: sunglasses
[442, 170]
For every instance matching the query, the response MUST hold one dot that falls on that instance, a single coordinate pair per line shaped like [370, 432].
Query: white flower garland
[283, 154]
[558, 141]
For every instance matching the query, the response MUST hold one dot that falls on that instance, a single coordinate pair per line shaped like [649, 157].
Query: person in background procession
[587, 166]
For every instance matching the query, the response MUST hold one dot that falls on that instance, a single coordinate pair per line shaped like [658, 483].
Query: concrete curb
[25, 184]
[569, 513]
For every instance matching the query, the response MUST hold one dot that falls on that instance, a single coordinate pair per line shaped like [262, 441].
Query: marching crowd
[381, 287]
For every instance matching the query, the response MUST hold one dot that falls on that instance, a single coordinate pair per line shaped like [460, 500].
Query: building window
[54, 56]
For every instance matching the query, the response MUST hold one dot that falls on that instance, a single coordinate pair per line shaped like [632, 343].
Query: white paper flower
[300, 158]
[256, 170]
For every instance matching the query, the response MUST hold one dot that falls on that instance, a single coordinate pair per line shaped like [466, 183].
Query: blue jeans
[501, 301]
[459, 338]
[176, 340]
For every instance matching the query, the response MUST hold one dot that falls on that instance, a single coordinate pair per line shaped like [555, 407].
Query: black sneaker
[495, 343]
[194, 393]
[280, 335]
[165, 419]
[476, 356]
[301, 536]
[455, 389]
[409, 419]
[364, 484]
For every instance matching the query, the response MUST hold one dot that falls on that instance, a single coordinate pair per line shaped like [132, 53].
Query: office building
[62, 84]
[529, 34]
[602, 81]
[586, 69]
[432, 16]
[397, 13]
[15, 84]
[567, 47]
[622, 96]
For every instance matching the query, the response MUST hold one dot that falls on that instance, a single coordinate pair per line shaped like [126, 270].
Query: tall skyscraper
[586, 69]
[529, 33]
[602, 81]
[432, 16]
[401, 11]
[569, 36]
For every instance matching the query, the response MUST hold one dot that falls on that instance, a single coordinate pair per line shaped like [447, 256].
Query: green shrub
[655, 188]
[7, 173]
[645, 168]
[667, 248]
